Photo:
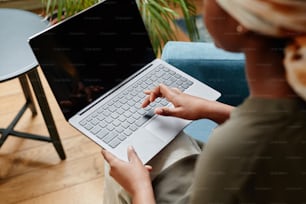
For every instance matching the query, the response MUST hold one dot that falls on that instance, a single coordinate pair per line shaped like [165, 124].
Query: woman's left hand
[133, 176]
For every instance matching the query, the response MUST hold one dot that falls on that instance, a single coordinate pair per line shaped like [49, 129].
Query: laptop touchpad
[166, 127]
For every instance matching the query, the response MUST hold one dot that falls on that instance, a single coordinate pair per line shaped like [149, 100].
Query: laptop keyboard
[116, 120]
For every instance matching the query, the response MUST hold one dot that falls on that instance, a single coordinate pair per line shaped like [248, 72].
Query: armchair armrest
[224, 71]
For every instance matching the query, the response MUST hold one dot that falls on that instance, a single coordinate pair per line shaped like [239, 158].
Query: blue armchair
[224, 71]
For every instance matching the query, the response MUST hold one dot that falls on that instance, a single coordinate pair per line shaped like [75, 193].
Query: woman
[258, 154]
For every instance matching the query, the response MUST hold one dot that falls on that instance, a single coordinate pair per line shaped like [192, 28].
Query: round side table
[18, 61]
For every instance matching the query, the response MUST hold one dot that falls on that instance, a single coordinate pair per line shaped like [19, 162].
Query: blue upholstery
[224, 71]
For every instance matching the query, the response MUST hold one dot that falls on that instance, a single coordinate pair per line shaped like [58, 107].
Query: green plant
[157, 15]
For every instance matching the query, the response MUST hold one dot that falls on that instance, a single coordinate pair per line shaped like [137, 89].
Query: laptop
[97, 64]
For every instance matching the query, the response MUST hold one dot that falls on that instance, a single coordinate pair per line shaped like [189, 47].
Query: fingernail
[158, 110]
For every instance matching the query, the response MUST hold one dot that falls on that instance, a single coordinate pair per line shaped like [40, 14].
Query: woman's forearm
[145, 195]
[216, 111]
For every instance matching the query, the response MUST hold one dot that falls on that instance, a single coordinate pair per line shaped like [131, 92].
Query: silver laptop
[98, 63]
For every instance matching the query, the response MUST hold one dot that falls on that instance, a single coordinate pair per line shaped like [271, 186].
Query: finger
[168, 93]
[147, 92]
[159, 91]
[109, 157]
[146, 102]
[148, 167]
[150, 98]
[166, 111]
[155, 93]
[152, 95]
[178, 91]
[132, 155]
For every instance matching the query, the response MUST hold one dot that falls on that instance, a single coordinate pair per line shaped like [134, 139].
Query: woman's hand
[187, 106]
[133, 176]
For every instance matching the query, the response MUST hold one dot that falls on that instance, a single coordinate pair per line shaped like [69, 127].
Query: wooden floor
[31, 171]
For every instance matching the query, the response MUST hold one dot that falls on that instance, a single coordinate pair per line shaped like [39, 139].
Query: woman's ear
[241, 29]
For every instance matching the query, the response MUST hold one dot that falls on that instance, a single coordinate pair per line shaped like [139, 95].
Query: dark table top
[16, 56]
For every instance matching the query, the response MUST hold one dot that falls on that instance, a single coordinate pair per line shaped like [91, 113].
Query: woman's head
[227, 20]
[221, 26]
[277, 18]
[239, 25]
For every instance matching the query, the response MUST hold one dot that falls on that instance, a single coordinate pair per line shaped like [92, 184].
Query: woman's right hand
[186, 106]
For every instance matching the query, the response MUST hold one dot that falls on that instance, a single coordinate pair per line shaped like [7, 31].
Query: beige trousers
[182, 146]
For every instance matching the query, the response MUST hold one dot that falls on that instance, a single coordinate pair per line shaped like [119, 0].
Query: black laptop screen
[90, 53]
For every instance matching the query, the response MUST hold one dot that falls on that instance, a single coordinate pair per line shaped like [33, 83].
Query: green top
[257, 156]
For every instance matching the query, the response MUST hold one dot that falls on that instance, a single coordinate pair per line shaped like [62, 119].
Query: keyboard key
[119, 129]
[128, 114]
[88, 126]
[102, 134]
[128, 132]
[122, 118]
[116, 123]
[109, 137]
[110, 127]
[131, 120]
[83, 122]
[103, 124]
[141, 121]
[133, 127]
[109, 119]
[114, 143]
[95, 130]
[114, 115]
[125, 125]
[106, 113]
[94, 121]
[101, 117]
[121, 137]
[125, 107]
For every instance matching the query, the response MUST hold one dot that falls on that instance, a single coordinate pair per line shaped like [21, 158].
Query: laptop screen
[90, 53]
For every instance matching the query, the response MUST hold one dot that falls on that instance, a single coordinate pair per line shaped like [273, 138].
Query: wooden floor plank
[10, 87]
[51, 179]
[21, 162]
[86, 193]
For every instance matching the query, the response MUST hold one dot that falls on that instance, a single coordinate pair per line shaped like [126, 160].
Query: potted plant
[158, 16]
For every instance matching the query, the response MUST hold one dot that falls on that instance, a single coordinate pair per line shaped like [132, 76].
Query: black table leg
[27, 93]
[45, 110]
